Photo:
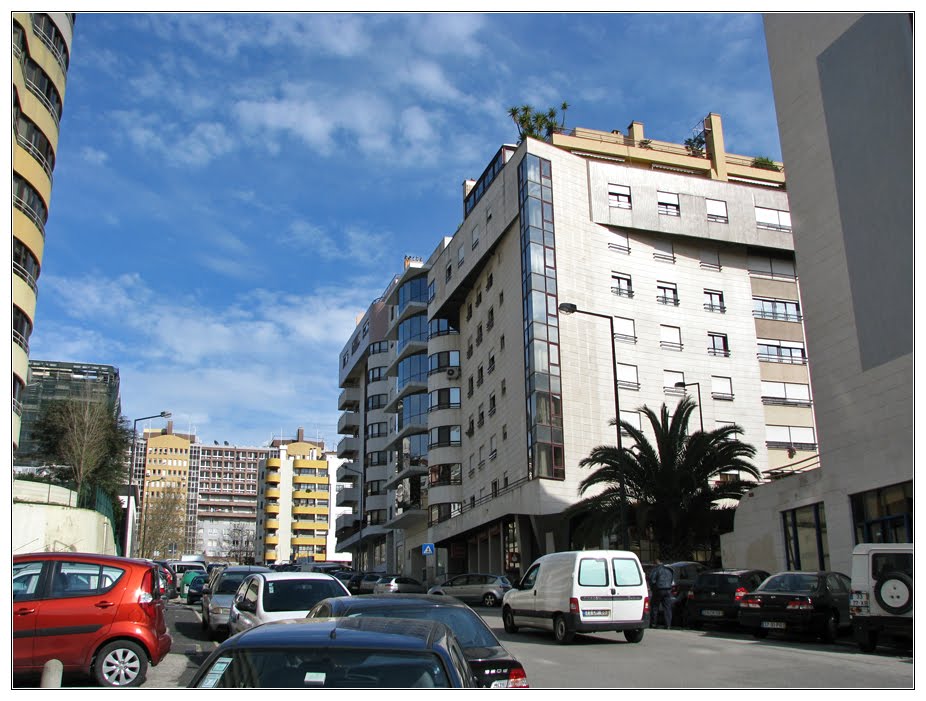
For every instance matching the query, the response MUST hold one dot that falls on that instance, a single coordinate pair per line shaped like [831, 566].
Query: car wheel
[867, 640]
[894, 592]
[830, 627]
[760, 633]
[508, 621]
[490, 600]
[561, 631]
[634, 636]
[120, 663]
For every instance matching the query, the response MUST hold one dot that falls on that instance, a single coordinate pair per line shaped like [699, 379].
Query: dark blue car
[338, 653]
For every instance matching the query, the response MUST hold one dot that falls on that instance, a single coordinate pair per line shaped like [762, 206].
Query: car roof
[273, 576]
[372, 601]
[83, 556]
[245, 568]
[388, 633]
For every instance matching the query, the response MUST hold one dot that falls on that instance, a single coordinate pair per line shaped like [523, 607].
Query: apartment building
[167, 527]
[474, 386]
[843, 85]
[294, 502]
[41, 54]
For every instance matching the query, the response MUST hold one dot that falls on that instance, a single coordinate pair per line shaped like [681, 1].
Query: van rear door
[630, 589]
[594, 589]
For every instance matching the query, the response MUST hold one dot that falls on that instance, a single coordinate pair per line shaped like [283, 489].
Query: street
[664, 659]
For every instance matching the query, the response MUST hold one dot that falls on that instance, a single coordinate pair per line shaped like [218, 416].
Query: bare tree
[238, 544]
[163, 526]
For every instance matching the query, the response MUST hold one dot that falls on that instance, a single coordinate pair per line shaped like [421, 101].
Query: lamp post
[162, 415]
[568, 308]
[683, 385]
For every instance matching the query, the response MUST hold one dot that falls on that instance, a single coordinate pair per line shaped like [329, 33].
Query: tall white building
[469, 398]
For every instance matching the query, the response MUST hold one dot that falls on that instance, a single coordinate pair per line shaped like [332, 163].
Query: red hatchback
[98, 614]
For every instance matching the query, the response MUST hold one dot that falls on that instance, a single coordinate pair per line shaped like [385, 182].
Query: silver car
[487, 589]
[396, 584]
[273, 596]
[219, 595]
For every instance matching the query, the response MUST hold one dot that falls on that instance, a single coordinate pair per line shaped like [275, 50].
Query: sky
[231, 191]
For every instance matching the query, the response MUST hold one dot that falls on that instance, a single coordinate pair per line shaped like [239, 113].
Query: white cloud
[93, 156]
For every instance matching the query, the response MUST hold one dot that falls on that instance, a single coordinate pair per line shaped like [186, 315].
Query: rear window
[882, 563]
[792, 583]
[593, 572]
[626, 572]
[298, 594]
[465, 624]
[718, 582]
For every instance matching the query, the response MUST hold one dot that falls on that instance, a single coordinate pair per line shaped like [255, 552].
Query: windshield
[325, 668]
[466, 625]
[796, 583]
[298, 594]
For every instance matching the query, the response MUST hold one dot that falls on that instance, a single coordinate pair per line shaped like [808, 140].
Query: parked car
[369, 580]
[338, 653]
[882, 593]
[168, 582]
[686, 573]
[353, 582]
[583, 591]
[816, 602]
[194, 590]
[188, 576]
[182, 569]
[493, 666]
[487, 589]
[397, 584]
[98, 614]
[715, 595]
[218, 596]
[273, 596]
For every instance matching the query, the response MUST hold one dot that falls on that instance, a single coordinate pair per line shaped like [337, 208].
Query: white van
[583, 591]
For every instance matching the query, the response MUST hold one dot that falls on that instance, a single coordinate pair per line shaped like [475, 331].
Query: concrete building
[41, 53]
[294, 502]
[469, 397]
[843, 88]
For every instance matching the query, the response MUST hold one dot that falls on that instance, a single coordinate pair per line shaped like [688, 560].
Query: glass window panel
[721, 385]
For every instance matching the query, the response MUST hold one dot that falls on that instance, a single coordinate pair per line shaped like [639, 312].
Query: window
[667, 203]
[461, 251]
[374, 374]
[376, 401]
[670, 337]
[621, 284]
[717, 344]
[721, 388]
[663, 250]
[620, 242]
[475, 236]
[444, 436]
[884, 515]
[771, 267]
[710, 259]
[627, 377]
[442, 361]
[632, 418]
[619, 196]
[493, 448]
[805, 538]
[775, 219]
[667, 293]
[777, 309]
[717, 211]
[775, 351]
[785, 393]
[491, 403]
[670, 378]
[624, 330]
[447, 398]
[449, 272]
[713, 301]
[796, 437]
[490, 319]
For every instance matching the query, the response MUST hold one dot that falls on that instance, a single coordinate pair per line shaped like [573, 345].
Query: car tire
[561, 631]
[490, 600]
[508, 621]
[760, 633]
[898, 584]
[830, 627]
[633, 636]
[867, 640]
[120, 663]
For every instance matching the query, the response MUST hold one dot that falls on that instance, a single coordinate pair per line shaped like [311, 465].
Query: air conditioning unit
[453, 373]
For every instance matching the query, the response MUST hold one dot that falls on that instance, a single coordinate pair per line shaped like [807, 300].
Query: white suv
[882, 592]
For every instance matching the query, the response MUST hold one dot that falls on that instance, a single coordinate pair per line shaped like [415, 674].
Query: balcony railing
[27, 276]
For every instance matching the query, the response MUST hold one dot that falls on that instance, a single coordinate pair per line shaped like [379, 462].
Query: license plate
[596, 612]
[859, 599]
[776, 625]
[712, 613]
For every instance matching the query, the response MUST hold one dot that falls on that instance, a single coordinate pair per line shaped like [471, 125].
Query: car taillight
[645, 605]
[740, 593]
[690, 593]
[751, 603]
[517, 678]
[573, 605]
[146, 598]
[803, 604]
[675, 590]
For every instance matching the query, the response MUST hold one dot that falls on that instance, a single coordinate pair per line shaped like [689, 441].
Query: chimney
[299, 434]
[170, 428]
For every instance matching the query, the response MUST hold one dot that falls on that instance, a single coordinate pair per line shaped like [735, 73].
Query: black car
[194, 590]
[337, 653]
[815, 602]
[492, 664]
[353, 582]
[715, 596]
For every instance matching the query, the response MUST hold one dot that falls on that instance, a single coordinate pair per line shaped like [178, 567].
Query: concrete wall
[45, 520]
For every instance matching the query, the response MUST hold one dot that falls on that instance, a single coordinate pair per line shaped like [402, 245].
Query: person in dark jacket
[661, 579]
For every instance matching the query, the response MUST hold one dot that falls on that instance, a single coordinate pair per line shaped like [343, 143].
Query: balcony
[349, 399]
[415, 470]
[349, 447]
[349, 423]
[348, 496]
[408, 515]
[348, 472]
[273, 477]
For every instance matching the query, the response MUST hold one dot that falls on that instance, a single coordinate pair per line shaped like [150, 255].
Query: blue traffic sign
[427, 549]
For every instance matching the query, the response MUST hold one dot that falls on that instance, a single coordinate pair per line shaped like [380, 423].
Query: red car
[97, 614]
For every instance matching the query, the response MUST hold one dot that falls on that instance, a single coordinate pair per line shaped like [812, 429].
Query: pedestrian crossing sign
[427, 549]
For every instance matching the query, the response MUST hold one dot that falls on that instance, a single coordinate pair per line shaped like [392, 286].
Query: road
[687, 659]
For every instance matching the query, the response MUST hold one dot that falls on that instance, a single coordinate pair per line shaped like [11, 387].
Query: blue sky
[231, 191]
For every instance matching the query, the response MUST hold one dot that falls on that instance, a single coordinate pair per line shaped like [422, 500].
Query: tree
[673, 489]
[535, 123]
[87, 440]
[163, 523]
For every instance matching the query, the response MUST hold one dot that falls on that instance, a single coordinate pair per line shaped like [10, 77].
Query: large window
[805, 538]
[777, 309]
[717, 211]
[775, 219]
[884, 515]
[621, 284]
[447, 398]
[785, 393]
[667, 203]
[438, 362]
[667, 293]
[797, 437]
[670, 337]
[442, 436]
[619, 197]
[777, 351]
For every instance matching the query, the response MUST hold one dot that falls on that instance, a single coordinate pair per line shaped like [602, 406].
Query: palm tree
[671, 486]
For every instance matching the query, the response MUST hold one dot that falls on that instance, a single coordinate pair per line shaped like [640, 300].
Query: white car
[273, 596]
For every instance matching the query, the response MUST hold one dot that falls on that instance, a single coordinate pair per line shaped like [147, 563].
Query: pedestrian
[662, 579]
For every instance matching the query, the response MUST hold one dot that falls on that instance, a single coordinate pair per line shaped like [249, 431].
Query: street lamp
[683, 385]
[162, 415]
[568, 308]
